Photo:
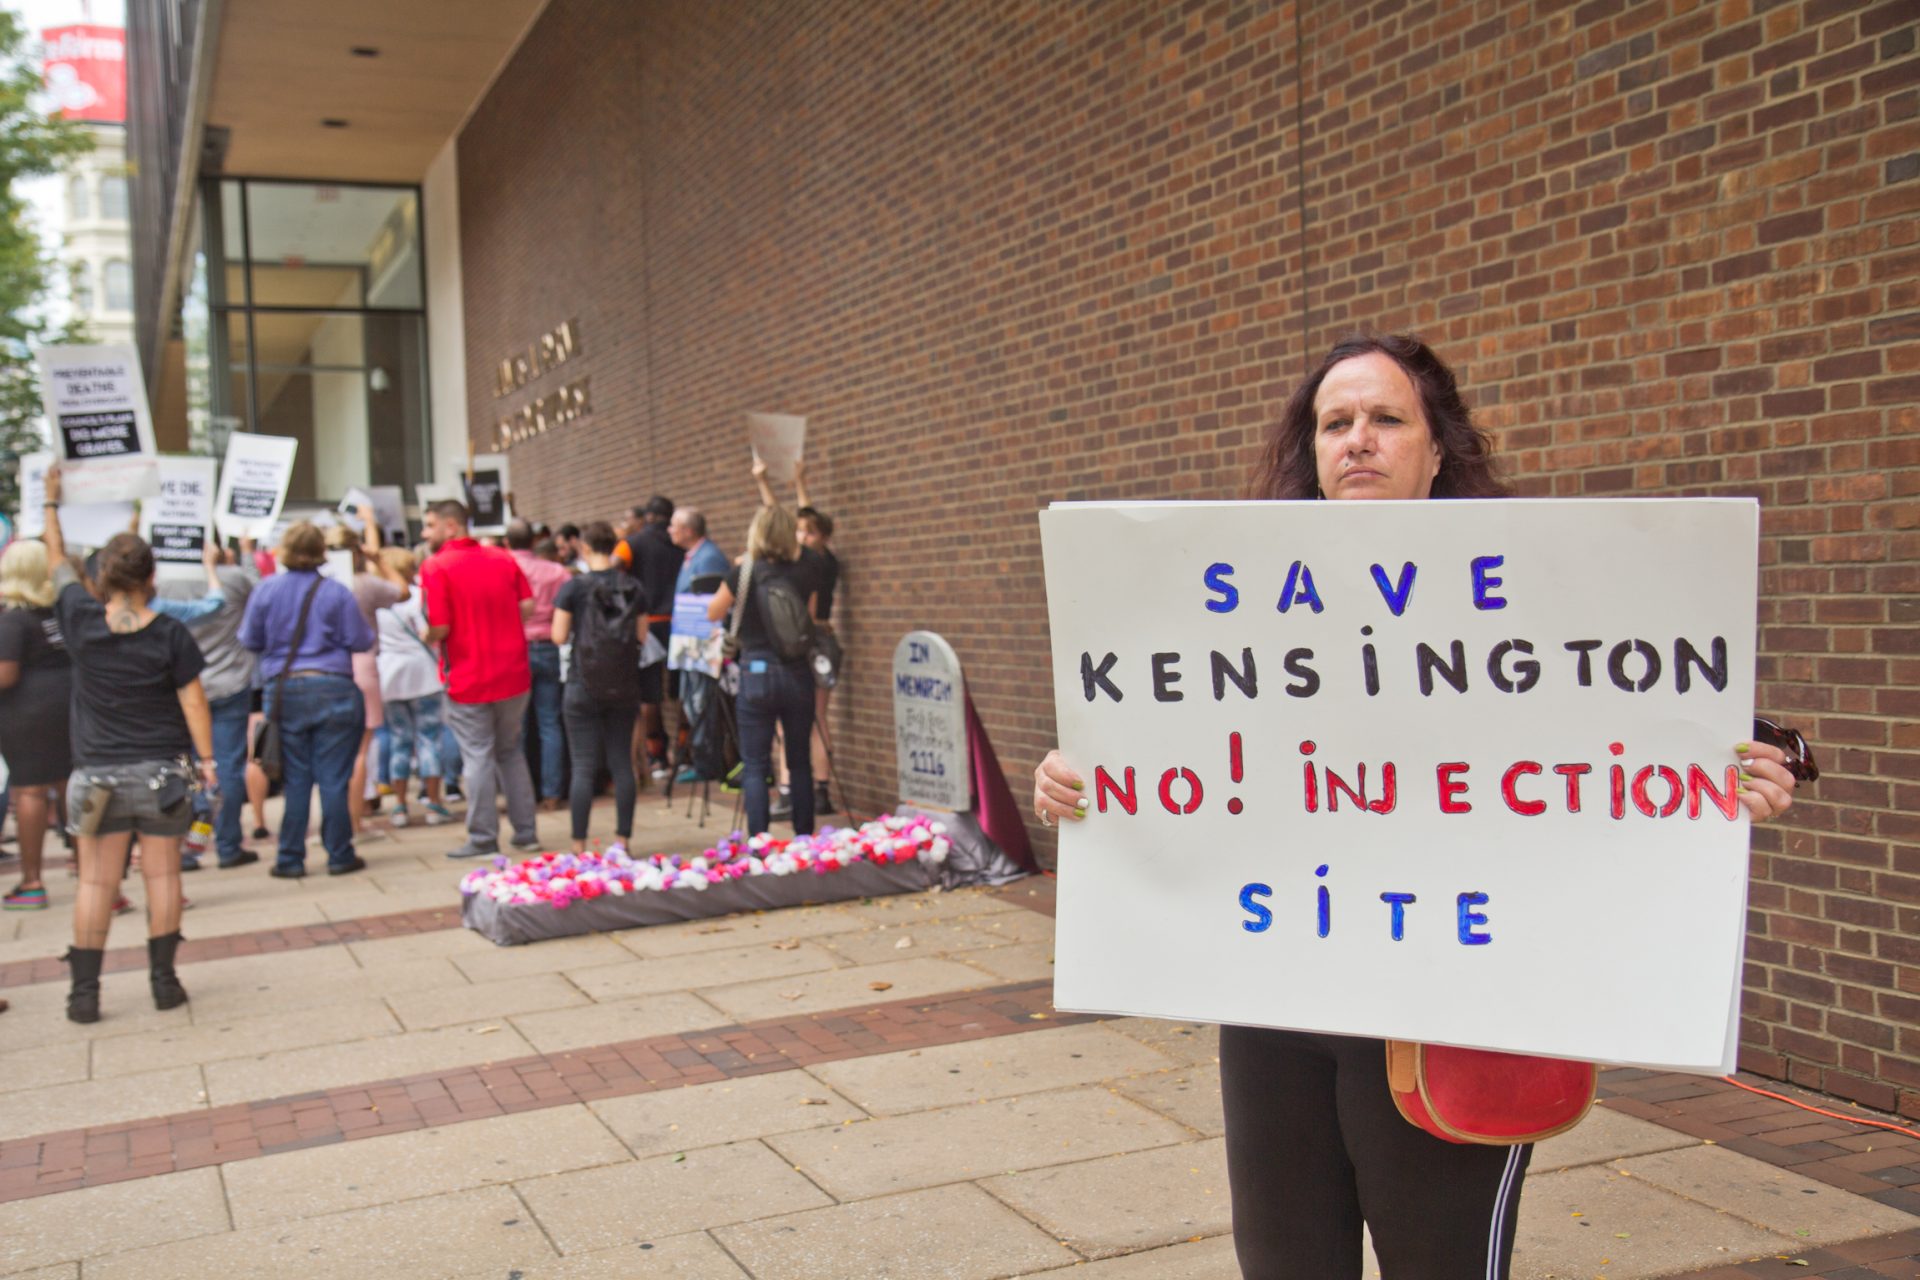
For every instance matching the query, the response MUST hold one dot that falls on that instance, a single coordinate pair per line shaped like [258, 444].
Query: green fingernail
[1742, 747]
[1079, 786]
[1745, 776]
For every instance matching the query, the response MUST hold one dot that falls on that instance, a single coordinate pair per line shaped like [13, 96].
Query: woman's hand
[1766, 787]
[1058, 792]
[53, 485]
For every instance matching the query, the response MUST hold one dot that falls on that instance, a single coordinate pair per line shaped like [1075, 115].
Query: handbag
[267, 750]
[1480, 1096]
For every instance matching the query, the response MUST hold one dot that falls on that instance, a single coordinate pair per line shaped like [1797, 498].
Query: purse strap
[293, 650]
[740, 605]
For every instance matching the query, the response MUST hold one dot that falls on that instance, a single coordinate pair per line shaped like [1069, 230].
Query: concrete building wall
[446, 316]
[1012, 252]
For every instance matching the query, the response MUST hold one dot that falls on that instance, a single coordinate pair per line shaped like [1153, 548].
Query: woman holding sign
[139, 719]
[1315, 1143]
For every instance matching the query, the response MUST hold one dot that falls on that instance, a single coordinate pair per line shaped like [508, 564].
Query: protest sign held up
[487, 485]
[253, 484]
[175, 521]
[1452, 772]
[96, 406]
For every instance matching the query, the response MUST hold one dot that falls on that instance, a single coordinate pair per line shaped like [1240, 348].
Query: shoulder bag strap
[293, 650]
[740, 605]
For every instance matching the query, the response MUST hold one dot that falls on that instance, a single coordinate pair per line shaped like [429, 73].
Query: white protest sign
[96, 406]
[175, 521]
[1458, 772]
[338, 566]
[487, 488]
[930, 724]
[777, 440]
[94, 524]
[693, 642]
[253, 484]
[389, 510]
[33, 494]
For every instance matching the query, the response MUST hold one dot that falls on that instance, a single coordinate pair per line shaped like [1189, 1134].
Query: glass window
[80, 287]
[113, 198]
[79, 208]
[316, 245]
[119, 281]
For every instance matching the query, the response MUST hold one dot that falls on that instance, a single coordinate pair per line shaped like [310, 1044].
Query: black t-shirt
[825, 568]
[576, 595]
[753, 623]
[656, 562]
[31, 637]
[126, 704]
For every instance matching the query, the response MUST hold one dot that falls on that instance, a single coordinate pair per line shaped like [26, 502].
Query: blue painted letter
[1484, 582]
[1262, 919]
[1299, 589]
[1469, 918]
[1216, 579]
[1396, 596]
[1398, 901]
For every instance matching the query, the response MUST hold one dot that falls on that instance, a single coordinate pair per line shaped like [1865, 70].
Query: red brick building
[1008, 252]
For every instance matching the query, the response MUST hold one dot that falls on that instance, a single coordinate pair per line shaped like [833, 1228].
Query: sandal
[25, 899]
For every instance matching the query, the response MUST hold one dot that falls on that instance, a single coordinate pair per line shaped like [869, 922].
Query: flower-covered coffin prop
[555, 895]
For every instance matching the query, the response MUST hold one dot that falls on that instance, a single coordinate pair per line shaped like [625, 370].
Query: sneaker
[687, 775]
[27, 899]
[288, 873]
[660, 773]
[618, 847]
[261, 833]
[437, 815]
[472, 850]
[347, 868]
[244, 858]
[398, 818]
[822, 798]
[529, 841]
[189, 862]
[122, 905]
[782, 806]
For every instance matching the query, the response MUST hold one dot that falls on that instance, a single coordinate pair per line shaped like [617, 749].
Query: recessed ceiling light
[333, 122]
[364, 51]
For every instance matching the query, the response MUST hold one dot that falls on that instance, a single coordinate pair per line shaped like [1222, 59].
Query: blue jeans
[773, 692]
[543, 717]
[320, 728]
[230, 762]
[413, 737]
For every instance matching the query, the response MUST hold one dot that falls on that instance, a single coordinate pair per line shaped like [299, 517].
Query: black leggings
[599, 736]
[1315, 1145]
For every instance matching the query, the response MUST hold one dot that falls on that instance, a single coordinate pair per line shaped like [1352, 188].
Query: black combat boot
[83, 1001]
[167, 991]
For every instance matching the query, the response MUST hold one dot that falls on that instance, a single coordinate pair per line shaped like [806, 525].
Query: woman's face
[1371, 438]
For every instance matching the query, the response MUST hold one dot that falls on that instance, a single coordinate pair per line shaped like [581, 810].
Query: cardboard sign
[389, 511]
[89, 525]
[96, 406]
[253, 484]
[487, 488]
[930, 724]
[777, 440]
[176, 521]
[693, 642]
[1459, 772]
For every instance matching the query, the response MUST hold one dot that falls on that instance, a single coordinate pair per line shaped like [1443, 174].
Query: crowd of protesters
[140, 719]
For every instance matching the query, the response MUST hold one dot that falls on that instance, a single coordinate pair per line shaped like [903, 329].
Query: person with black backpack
[602, 613]
[774, 632]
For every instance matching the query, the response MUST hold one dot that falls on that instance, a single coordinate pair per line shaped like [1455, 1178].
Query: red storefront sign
[86, 72]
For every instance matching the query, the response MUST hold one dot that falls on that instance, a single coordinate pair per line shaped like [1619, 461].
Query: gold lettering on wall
[574, 400]
[543, 355]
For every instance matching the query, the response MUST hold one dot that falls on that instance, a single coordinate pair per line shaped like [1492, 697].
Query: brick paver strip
[21, 973]
[1035, 893]
[45, 1164]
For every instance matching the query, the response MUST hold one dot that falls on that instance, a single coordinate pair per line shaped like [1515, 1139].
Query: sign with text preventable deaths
[175, 521]
[253, 484]
[1457, 772]
[930, 724]
[96, 406]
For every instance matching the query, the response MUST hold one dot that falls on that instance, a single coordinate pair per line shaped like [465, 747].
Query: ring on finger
[1045, 820]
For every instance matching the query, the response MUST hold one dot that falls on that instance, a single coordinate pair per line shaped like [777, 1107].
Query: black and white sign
[487, 488]
[176, 521]
[96, 406]
[253, 484]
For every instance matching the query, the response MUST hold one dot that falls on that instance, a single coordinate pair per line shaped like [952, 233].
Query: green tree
[32, 143]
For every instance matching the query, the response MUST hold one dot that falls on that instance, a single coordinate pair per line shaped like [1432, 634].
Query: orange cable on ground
[1821, 1111]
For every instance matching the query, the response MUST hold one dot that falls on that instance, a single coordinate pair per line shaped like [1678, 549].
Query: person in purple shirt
[319, 708]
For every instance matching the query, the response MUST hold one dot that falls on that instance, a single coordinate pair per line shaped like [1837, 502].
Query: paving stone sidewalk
[875, 1089]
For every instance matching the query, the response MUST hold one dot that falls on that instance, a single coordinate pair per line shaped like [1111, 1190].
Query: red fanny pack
[1479, 1096]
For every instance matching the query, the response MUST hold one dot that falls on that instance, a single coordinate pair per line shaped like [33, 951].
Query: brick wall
[1004, 253]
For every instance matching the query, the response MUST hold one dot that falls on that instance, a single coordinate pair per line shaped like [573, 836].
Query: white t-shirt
[408, 669]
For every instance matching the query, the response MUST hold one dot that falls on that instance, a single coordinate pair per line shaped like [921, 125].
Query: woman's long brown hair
[1289, 469]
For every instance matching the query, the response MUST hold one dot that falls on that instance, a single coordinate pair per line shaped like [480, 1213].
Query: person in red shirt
[478, 602]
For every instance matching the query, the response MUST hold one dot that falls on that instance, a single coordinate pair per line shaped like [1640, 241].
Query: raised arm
[56, 543]
[760, 482]
[800, 482]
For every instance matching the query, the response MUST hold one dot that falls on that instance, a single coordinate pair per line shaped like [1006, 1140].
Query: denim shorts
[150, 797]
